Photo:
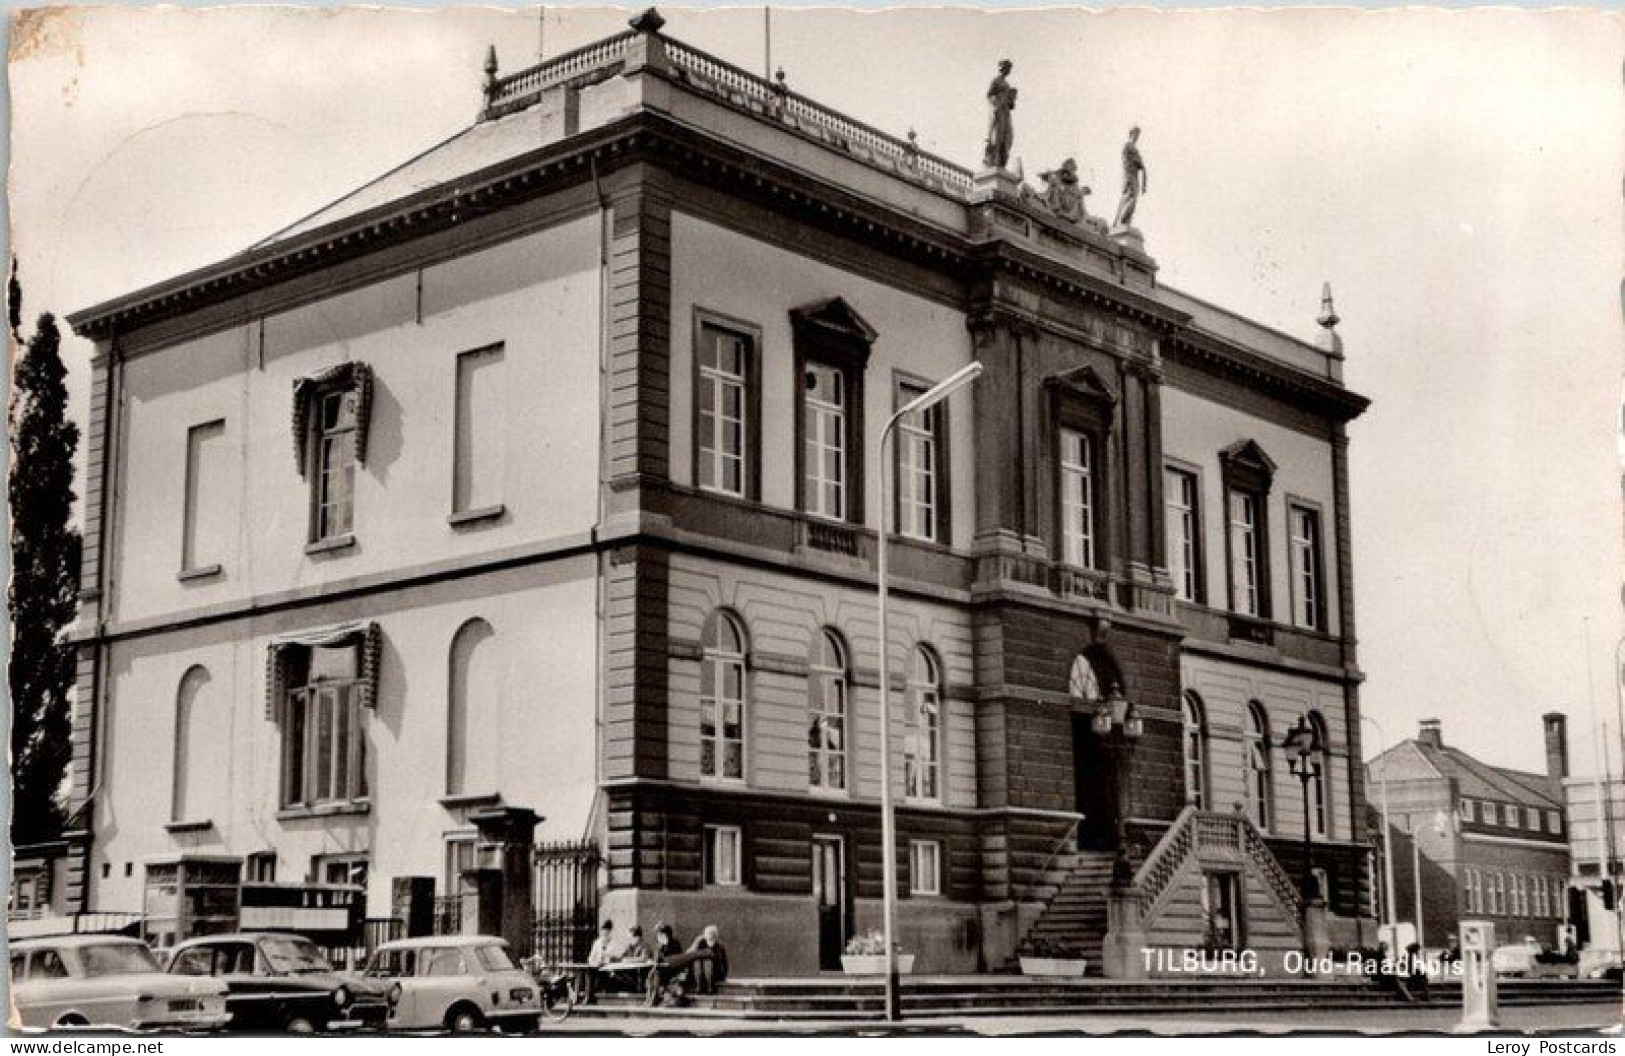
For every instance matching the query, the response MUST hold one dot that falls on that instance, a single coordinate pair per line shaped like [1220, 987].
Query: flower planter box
[875, 963]
[1070, 967]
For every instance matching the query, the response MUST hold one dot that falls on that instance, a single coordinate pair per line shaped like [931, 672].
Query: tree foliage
[42, 598]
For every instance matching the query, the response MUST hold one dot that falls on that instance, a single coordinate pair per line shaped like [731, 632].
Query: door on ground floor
[1095, 786]
[829, 893]
[1221, 908]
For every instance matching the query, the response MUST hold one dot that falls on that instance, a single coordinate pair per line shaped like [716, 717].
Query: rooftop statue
[1134, 180]
[1001, 99]
[1064, 192]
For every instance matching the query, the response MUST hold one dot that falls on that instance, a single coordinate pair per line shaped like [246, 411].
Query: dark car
[281, 983]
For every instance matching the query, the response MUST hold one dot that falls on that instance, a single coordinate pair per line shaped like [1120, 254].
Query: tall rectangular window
[1183, 512]
[479, 461]
[723, 855]
[324, 746]
[824, 426]
[334, 455]
[919, 437]
[1077, 499]
[725, 361]
[1244, 554]
[924, 867]
[1309, 601]
[205, 531]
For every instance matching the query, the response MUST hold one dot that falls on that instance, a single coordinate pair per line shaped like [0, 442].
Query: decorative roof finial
[1330, 342]
[490, 67]
[649, 21]
[1328, 314]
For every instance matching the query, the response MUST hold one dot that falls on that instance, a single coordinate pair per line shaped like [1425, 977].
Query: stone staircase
[1076, 917]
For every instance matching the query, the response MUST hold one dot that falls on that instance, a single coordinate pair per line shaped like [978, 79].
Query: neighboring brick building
[585, 406]
[1493, 841]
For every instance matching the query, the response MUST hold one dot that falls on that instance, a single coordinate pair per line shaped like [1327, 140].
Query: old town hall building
[541, 475]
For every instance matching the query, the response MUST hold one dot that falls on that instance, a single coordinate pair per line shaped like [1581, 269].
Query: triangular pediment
[1247, 455]
[835, 318]
[1084, 381]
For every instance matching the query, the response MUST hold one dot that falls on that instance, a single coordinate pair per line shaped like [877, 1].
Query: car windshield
[121, 958]
[291, 956]
[494, 958]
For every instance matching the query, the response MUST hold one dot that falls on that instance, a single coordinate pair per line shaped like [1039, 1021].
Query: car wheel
[73, 1019]
[464, 1019]
[299, 1024]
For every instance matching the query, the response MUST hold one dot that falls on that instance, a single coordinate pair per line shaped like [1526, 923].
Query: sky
[1455, 175]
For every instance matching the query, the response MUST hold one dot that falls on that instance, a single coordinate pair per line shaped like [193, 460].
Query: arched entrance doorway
[1094, 773]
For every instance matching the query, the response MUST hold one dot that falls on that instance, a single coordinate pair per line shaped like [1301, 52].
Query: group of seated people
[671, 973]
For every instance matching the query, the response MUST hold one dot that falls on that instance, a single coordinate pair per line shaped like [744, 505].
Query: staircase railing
[1264, 860]
[1071, 831]
[1213, 838]
[1162, 864]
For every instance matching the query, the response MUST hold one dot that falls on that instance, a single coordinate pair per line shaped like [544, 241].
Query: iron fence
[566, 900]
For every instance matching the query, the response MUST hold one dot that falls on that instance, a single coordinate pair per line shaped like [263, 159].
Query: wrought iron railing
[566, 900]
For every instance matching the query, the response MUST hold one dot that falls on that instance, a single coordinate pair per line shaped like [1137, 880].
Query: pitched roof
[1416, 760]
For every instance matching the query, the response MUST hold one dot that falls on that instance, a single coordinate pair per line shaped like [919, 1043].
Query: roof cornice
[649, 135]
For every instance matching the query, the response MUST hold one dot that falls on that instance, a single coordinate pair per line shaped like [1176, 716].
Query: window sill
[338, 542]
[325, 810]
[191, 575]
[176, 828]
[821, 792]
[471, 799]
[466, 518]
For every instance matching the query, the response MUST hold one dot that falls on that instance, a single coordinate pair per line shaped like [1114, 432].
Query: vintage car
[107, 981]
[280, 982]
[1531, 959]
[456, 982]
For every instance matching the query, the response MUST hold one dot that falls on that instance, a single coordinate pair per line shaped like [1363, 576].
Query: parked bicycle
[557, 988]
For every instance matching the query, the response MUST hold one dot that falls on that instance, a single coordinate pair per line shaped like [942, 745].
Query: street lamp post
[1302, 747]
[1116, 715]
[888, 837]
[1387, 844]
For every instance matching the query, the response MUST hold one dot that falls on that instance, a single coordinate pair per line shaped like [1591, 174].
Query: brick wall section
[636, 671]
[1345, 870]
[639, 398]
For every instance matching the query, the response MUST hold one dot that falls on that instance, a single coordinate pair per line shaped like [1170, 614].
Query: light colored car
[456, 982]
[1516, 958]
[107, 981]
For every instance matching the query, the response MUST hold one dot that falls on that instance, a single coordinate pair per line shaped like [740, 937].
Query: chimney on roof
[1431, 734]
[1557, 746]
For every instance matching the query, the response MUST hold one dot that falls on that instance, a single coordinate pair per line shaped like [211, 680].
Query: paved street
[1588, 1018]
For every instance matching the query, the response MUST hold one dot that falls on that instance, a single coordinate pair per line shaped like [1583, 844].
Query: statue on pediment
[1001, 99]
[1134, 179]
[1064, 192]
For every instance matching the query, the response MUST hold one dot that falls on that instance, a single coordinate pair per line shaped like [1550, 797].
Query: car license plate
[186, 1004]
[519, 994]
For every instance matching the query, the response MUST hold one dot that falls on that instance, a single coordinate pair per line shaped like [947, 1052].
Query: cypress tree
[42, 597]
